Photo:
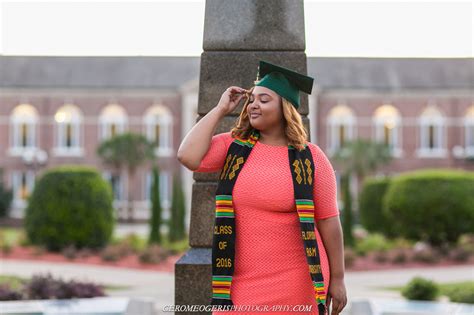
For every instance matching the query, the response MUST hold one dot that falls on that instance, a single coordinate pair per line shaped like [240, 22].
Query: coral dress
[270, 262]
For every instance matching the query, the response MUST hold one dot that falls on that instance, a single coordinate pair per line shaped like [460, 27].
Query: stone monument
[237, 34]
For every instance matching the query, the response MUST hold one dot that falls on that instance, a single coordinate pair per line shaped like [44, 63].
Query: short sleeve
[325, 186]
[213, 160]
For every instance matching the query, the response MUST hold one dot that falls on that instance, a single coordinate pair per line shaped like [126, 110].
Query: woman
[266, 263]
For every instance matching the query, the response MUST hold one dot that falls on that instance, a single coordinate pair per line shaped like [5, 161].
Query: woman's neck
[273, 138]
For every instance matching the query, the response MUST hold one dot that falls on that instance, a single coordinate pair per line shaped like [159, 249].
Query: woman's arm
[331, 235]
[196, 143]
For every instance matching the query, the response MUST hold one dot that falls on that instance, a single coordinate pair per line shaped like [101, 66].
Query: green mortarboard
[285, 82]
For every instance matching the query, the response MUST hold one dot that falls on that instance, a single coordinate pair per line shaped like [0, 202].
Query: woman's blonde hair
[295, 131]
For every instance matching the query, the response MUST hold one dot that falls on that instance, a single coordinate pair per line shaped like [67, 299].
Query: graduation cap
[285, 82]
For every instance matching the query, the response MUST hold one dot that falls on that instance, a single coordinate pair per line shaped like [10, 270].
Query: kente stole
[223, 245]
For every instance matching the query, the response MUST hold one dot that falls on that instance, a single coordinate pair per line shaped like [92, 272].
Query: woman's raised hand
[231, 98]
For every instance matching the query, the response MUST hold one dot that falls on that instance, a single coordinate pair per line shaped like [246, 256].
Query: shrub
[421, 289]
[432, 205]
[461, 294]
[47, 287]
[459, 254]
[6, 196]
[70, 205]
[428, 255]
[153, 254]
[381, 256]
[371, 212]
[372, 242]
[116, 251]
[349, 257]
[399, 256]
[9, 294]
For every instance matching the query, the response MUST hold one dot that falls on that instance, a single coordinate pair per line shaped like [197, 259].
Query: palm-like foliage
[362, 156]
[126, 151]
[358, 157]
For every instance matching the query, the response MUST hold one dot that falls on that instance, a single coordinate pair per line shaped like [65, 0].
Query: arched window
[469, 131]
[387, 127]
[23, 128]
[432, 129]
[341, 121]
[112, 121]
[158, 123]
[68, 120]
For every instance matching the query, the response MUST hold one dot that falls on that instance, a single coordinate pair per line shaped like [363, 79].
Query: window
[341, 122]
[387, 127]
[158, 122]
[117, 183]
[68, 130]
[165, 188]
[112, 121]
[432, 143]
[23, 128]
[469, 131]
[22, 186]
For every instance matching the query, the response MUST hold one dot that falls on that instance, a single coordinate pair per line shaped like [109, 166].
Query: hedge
[70, 206]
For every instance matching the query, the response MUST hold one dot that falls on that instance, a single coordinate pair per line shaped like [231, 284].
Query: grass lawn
[444, 287]
[11, 236]
[16, 282]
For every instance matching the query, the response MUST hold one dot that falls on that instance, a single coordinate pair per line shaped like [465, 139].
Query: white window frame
[395, 137]
[16, 122]
[165, 123]
[469, 133]
[107, 121]
[439, 125]
[76, 149]
[334, 124]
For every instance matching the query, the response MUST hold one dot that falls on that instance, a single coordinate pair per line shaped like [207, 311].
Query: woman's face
[264, 109]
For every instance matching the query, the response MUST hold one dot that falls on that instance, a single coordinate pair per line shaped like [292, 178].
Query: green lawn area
[444, 287]
[16, 282]
[10, 235]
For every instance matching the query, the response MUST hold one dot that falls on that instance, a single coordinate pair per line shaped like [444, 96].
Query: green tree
[359, 158]
[176, 227]
[155, 220]
[126, 151]
[6, 196]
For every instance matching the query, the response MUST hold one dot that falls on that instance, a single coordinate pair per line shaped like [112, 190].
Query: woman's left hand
[336, 295]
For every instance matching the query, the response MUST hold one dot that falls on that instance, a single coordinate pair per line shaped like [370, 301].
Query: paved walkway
[160, 285]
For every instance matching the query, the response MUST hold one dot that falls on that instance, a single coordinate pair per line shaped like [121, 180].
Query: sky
[175, 28]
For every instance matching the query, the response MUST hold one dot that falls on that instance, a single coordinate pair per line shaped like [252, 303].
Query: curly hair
[295, 131]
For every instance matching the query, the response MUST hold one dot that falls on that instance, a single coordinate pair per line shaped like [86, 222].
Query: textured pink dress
[270, 262]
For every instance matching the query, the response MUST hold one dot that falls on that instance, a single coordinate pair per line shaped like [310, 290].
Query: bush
[349, 257]
[371, 212]
[373, 242]
[9, 294]
[421, 289]
[6, 196]
[432, 205]
[399, 256]
[46, 287]
[153, 254]
[116, 251]
[428, 255]
[462, 293]
[70, 205]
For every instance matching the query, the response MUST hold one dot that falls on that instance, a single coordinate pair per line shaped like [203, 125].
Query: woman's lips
[253, 116]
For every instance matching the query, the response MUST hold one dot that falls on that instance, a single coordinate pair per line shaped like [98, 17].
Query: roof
[172, 72]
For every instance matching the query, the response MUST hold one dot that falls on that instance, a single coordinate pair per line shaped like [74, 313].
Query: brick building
[59, 109]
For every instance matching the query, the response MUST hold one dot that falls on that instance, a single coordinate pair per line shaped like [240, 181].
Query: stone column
[237, 34]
